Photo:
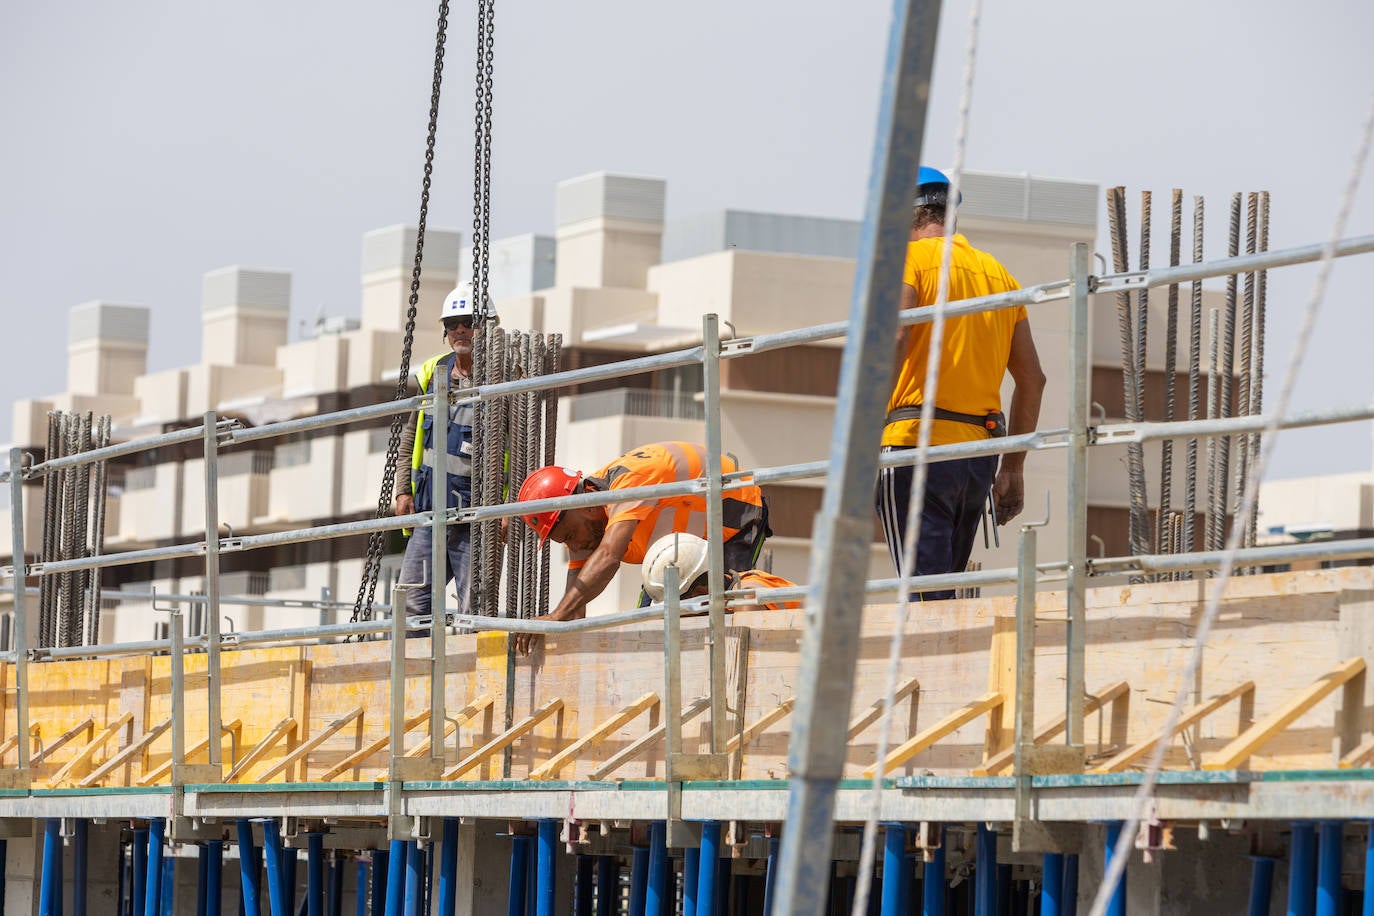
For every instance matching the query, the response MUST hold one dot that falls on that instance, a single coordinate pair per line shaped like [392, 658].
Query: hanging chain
[367, 589]
[481, 162]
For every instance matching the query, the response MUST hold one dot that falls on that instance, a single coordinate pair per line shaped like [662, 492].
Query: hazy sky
[148, 142]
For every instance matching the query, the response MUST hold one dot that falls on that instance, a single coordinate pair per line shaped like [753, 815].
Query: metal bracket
[1119, 283]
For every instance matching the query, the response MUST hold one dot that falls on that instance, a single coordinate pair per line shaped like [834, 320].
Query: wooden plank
[623, 717]
[1262, 732]
[1091, 704]
[911, 686]
[505, 739]
[946, 726]
[1359, 756]
[457, 721]
[1001, 729]
[287, 726]
[161, 772]
[776, 714]
[1190, 718]
[126, 754]
[12, 742]
[362, 753]
[654, 735]
[78, 765]
[87, 726]
[301, 751]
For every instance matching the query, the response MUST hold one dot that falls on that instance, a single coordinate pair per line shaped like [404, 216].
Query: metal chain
[481, 162]
[367, 589]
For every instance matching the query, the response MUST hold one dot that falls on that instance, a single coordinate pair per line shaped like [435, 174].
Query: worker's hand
[1009, 494]
[525, 642]
[405, 504]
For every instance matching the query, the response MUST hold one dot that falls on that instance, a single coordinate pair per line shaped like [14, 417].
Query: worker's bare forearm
[588, 582]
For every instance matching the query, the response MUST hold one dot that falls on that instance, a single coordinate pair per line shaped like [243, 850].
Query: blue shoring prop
[168, 893]
[314, 874]
[1302, 870]
[140, 869]
[1116, 906]
[380, 870]
[1329, 868]
[584, 890]
[152, 903]
[1052, 886]
[896, 877]
[249, 877]
[448, 868]
[360, 891]
[1261, 885]
[80, 846]
[639, 880]
[708, 869]
[415, 879]
[1368, 870]
[546, 886]
[395, 877]
[691, 869]
[608, 885]
[985, 873]
[519, 875]
[288, 877]
[933, 880]
[202, 877]
[660, 900]
[50, 891]
[214, 877]
[1071, 884]
[276, 867]
[334, 900]
[770, 876]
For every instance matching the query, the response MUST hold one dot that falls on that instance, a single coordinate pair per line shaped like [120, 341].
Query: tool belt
[995, 423]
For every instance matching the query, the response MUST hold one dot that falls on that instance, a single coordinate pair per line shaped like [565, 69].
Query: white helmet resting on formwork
[686, 551]
[461, 303]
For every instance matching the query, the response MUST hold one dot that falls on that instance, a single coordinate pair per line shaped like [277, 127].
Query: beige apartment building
[617, 280]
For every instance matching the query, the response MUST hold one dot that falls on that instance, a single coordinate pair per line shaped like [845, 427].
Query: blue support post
[608, 887]
[1116, 906]
[288, 877]
[1329, 868]
[249, 878]
[519, 875]
[1302, 870]
[214, 877]
[1052, 885]
[202, 878]
[896, 876]
[152, 904]
[380, 871]
[933, 885]
[1261, 885]
[168, 893]
[140, 869]
[547, 879]
[448, 868]
[1369, 870]
[985, 873]
[276, 867]
[415, 879]
[334, 900]
[314, 874]
[639, 880]
[770, 877]
[50, 891]
[708, 869]
[1071, 884]
[584, 891]
[395, 877]
[360, 875]
[659, 901]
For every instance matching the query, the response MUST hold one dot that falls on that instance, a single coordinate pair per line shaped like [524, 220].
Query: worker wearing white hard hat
[689, 553]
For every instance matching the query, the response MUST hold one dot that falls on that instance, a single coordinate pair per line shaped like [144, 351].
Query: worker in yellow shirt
[977, 351]
[688, 553]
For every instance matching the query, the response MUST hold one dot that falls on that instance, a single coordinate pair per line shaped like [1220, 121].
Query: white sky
[147, 143]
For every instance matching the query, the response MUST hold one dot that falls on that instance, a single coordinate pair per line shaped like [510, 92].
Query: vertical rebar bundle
[1194, 371]
[1166, 455]
[1257, 370]
[1221, 484]
[1245, 351]
[1135, 453]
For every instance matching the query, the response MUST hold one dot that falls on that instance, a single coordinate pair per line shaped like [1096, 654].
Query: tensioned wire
[1239, 527]
[868, 848]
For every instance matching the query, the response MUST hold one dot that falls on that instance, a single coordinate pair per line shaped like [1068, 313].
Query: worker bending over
[600, 538]
[689, 553]
[977, 351]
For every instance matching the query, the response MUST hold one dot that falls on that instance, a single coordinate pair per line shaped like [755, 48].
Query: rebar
[533, 450]
[1222, 484]
[481, 342]
[100, 487]
[1194, 359]
[517, 453]
[1213, 404]
[1166, 454]
[80, 523]
[52, 489]
[1257, 382]
[66, 583]
[553, 355]
[1135, 456]
[1245, 348]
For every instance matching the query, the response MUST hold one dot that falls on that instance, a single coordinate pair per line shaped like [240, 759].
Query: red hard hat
[547, 483]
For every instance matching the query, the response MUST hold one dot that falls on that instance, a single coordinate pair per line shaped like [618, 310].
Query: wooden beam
[563, 758]
[362, 753]
[301, 751]
[654, 735]
[946, 726]
[126, 754]
[777, 713]
[1239, 751]
[860, 723]
[88, 727]
[461, 718]
[505, 739]
[1190, 718]
[287, 726]
[80, 764]
[12, 742]
[154, 776]
[1359, 756]
[1091, 704]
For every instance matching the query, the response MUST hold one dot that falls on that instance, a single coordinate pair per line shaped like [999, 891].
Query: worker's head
[459, 317]
[932, 198]
[685, 551]
[580, 529]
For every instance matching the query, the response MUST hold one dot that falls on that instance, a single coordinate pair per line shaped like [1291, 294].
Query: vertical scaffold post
[659, 901]
[361, 870]
[519, 875]
[214, 878]
[708, 869]
[213, 723]
[843, 528]
[639, 878]
[933, 881]
[715, 536]
[584, 893]
[1261, 885]
[178, 678]
[547, 877]
[276, 867]
[314, 868]
[1079, 269]
[168, 896]
[896, 875]
[985, 872]
[380, 870]
[288, 874]
[1052, 885]
[770, 876]
[1302, 869]
[50, 891]
[438, 564]
[1329, 868]
[249, 878]
[152, 903]
[1116, 906]
[396, 878]
[608, 887]
[80, 846]
[19, 638]
[1369, 869]
[415, 879]
[448, 868]
[139, 846]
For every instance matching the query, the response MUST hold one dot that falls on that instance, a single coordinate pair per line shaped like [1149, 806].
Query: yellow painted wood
[87, 726]
[1262, 732]
[1359, 756]
[1091, 704]
[1001, 730]
[860, 723]
[505, 739]
[1191, 717]
[287, 726]
[762, 724]
[654, 735]
[80, 765]
[946, 726]
[623, 717]
[302, 751]
[12, 742]
[154, 776]
[459, 719]
[126, 754]
[362, 753]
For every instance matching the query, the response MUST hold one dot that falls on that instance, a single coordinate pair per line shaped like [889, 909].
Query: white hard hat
[686, 551]
[461, 303]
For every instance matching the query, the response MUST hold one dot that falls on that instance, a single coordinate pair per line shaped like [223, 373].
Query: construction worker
[600, 538]
[688, 552]
[977, 351]
[414, 479]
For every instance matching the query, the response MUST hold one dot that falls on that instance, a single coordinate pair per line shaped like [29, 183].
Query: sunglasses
[453, 324]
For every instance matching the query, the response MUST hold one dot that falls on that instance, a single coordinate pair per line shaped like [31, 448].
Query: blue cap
[932, 188]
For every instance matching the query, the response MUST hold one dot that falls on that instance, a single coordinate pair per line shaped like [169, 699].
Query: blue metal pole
[608, 886]
[448, 868]
[396, 878]
[1052, 886]
[1117, 905]
[360, 893]
[1261, 885]
[659, 901]
[1369, 870]
[50, 891]
[547, 880]
[334, 903]
[770, 877]
[169, 885]
[896, 877]
[708, 869]
[639, 880]
[415, 879]
[152, 904]
[140, 869]
[249, 878]
[380, 870]
[1302, 870]
[202, 878]
[519, 875]
[1329, 868]
[314, 874]
[933, 885]
[276, 867]
[1071, 884]
[583, 896]
[985, 873]
[214, 877]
